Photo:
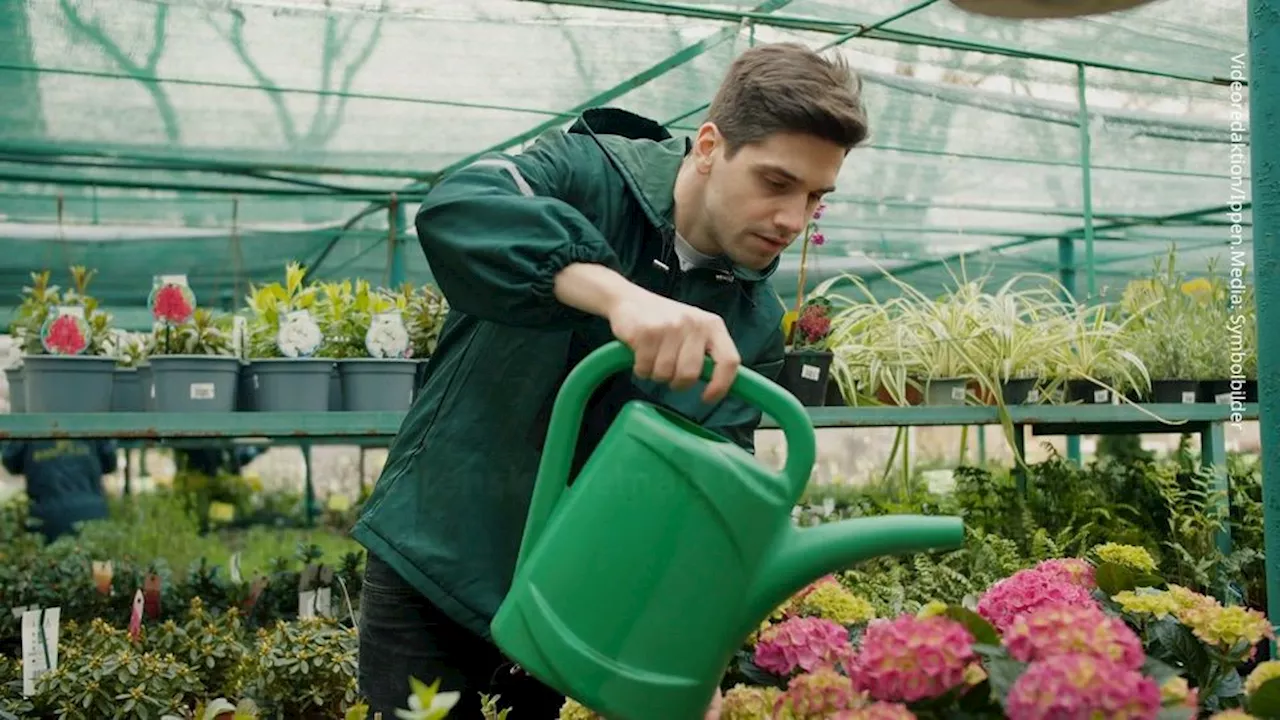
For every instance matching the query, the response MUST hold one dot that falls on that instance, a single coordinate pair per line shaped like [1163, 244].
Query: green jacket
[450, 507]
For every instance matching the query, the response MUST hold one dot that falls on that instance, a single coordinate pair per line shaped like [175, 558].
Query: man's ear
[706, 146]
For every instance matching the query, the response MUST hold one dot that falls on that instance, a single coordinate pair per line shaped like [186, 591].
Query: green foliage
[302, 669]
[205, 333]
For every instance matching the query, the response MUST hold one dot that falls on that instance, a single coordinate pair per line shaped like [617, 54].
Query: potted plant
[283, 337]
[193, 365]
[1173, 332]
[806, 369]
[1095, 364]
[366, 334]
[66, 362]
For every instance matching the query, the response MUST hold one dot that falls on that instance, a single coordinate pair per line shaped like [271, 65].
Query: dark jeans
[402, 634]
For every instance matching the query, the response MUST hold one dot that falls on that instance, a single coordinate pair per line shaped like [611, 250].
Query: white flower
[387, 337]
[299, 336]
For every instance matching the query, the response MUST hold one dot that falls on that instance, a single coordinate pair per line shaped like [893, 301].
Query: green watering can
[635, 587]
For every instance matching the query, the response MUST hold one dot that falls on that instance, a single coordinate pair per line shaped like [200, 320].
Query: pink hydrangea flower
[1080, 686]
[818, 694]
[804, 643]
[1027, 591]
[911, 658]
[1073, 631]
[1073, 570]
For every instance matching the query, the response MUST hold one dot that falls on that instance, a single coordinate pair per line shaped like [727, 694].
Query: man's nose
[790, 219]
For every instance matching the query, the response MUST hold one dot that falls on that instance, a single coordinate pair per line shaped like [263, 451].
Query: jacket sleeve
[497, 232]
[737, 419]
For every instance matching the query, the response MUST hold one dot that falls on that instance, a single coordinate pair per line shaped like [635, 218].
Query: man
[612, 229]
[64, 481]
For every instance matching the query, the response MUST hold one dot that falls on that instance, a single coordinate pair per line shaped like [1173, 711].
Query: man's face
[759, 201]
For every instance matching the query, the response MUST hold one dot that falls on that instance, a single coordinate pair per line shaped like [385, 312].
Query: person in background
[64, 480]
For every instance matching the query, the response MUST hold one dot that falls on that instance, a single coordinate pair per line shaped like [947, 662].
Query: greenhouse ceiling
[224, 138]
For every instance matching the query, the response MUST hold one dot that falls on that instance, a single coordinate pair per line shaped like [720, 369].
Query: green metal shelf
[365, 427]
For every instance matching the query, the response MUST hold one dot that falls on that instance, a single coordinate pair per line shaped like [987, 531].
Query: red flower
[65, 337]
[171, 305]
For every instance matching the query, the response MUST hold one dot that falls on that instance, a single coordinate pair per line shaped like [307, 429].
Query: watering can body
[635, 586]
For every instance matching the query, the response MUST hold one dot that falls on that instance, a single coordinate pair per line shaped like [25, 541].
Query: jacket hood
[649, 158]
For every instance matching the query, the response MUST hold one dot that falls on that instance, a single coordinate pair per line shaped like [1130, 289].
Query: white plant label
[315, 603]
[202, 391]
[74, 311]
[1101, 396]
[957, 393]
[1188, 396]
[810, 372]
[39, 646]
[1033, 396]
[235, 569]
[179, 280]
[1222, 399]
[153, 390]
[239, 328]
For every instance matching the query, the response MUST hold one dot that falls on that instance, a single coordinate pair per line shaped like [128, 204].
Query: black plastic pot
[1223, 392]
[1019, 392]
[1087, 392]
[806, 374]
[1177, 392]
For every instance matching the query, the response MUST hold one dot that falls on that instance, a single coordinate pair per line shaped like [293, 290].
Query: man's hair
[786, 87]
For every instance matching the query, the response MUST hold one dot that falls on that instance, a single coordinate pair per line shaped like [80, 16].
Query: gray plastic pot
[126, 391]
[194, 383]
[290, 384]
[377, 385]
[17, 390]
[68, 383]
[946, 391]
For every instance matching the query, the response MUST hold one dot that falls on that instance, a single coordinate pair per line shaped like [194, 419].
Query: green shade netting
[225, 139]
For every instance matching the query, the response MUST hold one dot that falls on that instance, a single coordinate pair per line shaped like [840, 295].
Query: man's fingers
[664, 367]
[646, 352]
[725, 356]
[693, 353]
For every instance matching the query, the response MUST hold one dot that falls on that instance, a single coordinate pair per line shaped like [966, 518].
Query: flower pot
[1020, 391]
[290, 384]
[806, 374]
[1087, 392]
[194, 383]
[377, 385]
[17, 390]
[1174, 391]
[335, 386]
[244, 389]
[912, 392]
[146, 388]
[68, 383]
[946, 391]
[126, 391]
[1224, 392]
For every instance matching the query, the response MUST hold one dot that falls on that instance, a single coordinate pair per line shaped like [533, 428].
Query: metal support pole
[1264, 123]
[1086, 180]
[1067, 276]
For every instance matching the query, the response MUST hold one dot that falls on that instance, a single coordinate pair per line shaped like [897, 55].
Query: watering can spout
[810, 553]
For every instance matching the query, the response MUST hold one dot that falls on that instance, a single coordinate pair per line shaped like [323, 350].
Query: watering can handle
[613, 357]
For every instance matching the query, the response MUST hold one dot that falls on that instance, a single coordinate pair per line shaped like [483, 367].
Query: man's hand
[670, 339]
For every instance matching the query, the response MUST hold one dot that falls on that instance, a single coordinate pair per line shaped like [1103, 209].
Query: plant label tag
[1222, 398]
[235, 569]
[1033, 396]
[307, 605]
[39, 646]
[74, 311]
[255, 381]
[18, 611]
[202, 391]
[1188, 396]
[239, 328]
[151, 595]
[957, 393]
[102, 573]
[324, 602]
[810, 372]
[152, 387]
[179, 280]
[1101, 396]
